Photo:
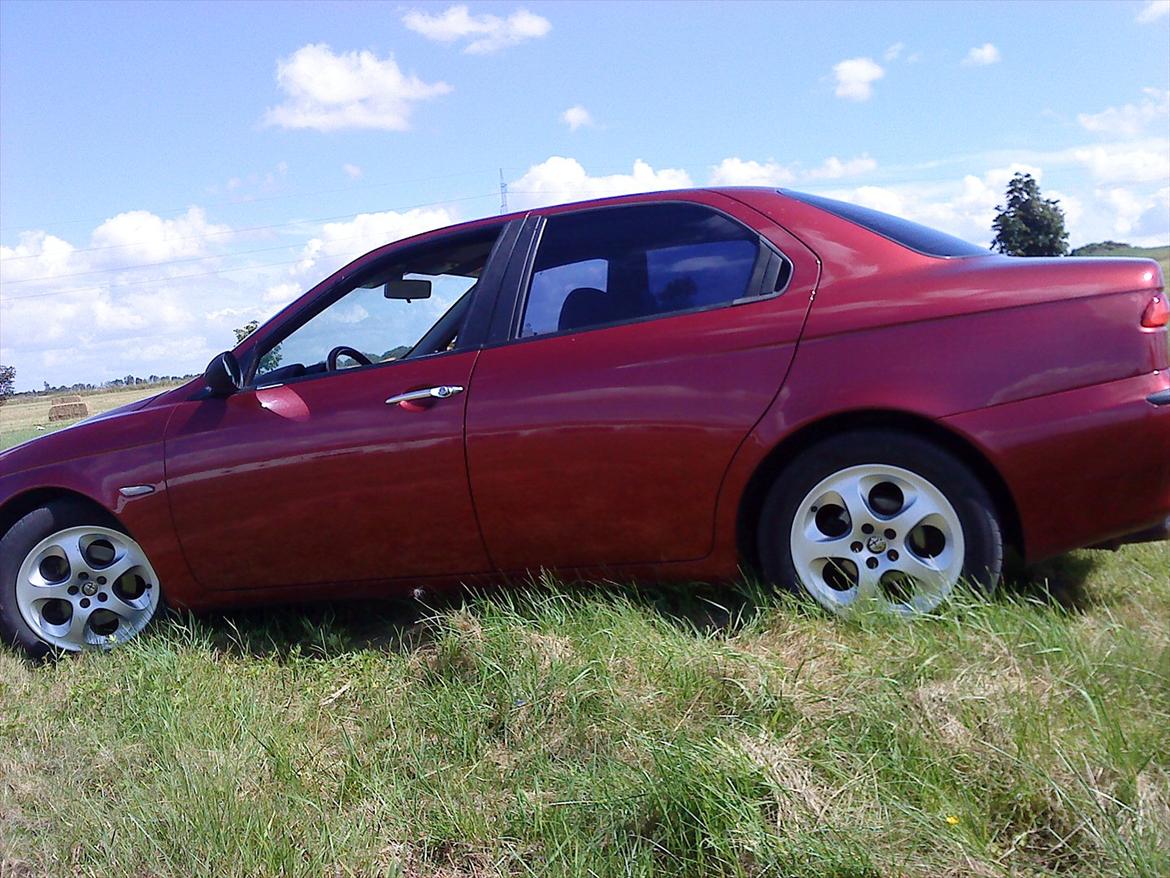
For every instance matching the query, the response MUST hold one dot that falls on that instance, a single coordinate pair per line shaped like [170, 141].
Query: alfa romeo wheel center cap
[89, 589]
[876, 545]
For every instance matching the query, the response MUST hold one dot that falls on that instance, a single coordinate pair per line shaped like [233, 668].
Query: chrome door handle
[443, 391]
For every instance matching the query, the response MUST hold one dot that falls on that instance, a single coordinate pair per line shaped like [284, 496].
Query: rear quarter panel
[1039, 364]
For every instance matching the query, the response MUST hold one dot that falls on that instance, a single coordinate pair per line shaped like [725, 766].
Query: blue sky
[169, 171]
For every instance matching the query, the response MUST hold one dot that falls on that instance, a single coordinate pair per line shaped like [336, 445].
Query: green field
[609, 731]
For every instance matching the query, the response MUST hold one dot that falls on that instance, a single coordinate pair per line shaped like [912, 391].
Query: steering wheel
[353, 353]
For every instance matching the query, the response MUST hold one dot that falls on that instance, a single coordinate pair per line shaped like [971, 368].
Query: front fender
[94, 460]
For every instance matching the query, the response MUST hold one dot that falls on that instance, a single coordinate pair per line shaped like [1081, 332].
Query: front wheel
[71, 580]
[879, 518]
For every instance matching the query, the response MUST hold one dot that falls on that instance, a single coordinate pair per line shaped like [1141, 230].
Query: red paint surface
[626, 451]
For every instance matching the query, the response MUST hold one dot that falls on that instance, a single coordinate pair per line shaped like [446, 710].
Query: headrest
[586, 306]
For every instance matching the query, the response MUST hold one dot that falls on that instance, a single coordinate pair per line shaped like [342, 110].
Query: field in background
[26, 417]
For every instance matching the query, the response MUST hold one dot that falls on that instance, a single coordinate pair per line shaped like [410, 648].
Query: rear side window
[612, 265]
[922, 239]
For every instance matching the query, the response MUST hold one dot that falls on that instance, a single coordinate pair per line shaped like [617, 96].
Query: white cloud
[1153, 10]
[332, 92]
[338, 243]
[892, 53]
[981, 56]
[738, 172]
[576, 117]
[1131, 119]
[72, 313]
[963, 206]
[490, 32]
[1139, 162]
[354, 172]
[742, 172]
[559, 179]
[38, 254]
[168, 319]
[833, 168]
[139, 236]
[855, 78]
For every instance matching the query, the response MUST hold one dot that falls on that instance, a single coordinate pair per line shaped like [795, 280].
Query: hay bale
[68, 411]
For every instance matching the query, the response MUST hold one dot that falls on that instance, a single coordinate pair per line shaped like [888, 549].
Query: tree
[7, 382]
[1030, 225]
[270, 360]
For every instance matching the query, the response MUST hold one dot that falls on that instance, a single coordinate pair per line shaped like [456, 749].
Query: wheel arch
[772, 465]
[18, 506]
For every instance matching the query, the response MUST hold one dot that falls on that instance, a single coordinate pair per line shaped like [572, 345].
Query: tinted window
[900, 231]
[599, 267]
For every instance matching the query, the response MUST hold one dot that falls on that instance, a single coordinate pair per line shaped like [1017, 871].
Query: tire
[879, 517]
[71, 578]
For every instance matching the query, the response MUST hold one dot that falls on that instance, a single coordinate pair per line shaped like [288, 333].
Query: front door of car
[313, 473]
[647, 342]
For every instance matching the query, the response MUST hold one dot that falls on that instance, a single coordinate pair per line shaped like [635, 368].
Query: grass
[601, 730]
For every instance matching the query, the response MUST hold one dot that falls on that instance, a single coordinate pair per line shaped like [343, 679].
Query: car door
[312, 475]
[644, 342]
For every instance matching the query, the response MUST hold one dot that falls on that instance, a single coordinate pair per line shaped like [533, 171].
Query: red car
[671, 386]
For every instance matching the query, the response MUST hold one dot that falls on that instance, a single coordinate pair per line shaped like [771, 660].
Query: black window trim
[487, 290]
[507, 327]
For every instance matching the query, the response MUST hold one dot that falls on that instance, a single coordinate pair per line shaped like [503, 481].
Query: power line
[156, 280]
[266, 198]
[297, 222]
[169, 278]
[31, 280]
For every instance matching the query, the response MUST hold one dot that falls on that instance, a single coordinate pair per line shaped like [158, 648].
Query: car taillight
[1157, 313]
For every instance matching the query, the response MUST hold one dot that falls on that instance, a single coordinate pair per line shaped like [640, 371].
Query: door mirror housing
[408, 289]
[222, 376]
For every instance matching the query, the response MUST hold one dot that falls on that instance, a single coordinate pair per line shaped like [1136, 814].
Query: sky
[170, 171]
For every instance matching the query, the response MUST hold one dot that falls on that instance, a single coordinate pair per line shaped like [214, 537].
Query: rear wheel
[879, 518]
[71, 580]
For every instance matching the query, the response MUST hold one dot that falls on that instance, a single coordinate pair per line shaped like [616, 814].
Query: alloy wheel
[86, 587]
[877, 535]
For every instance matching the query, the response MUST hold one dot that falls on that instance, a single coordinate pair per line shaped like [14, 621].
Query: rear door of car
[598, 430]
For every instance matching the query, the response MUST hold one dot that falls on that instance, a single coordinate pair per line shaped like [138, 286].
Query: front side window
[612, 265]
[382, 313]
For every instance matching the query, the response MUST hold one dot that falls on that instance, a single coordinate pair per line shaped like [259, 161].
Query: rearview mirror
[408, 289]
[222, 375]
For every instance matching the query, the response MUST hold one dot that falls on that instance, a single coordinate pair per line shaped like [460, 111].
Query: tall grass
[557, 730]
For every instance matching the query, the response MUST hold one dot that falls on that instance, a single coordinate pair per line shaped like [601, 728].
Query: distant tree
[7, 382]
[1029, 225]
[393, 354]
[1100, 248]
[270, 360]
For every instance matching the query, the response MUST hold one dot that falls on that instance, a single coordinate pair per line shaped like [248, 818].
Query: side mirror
[408, 289]
[222, 375]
